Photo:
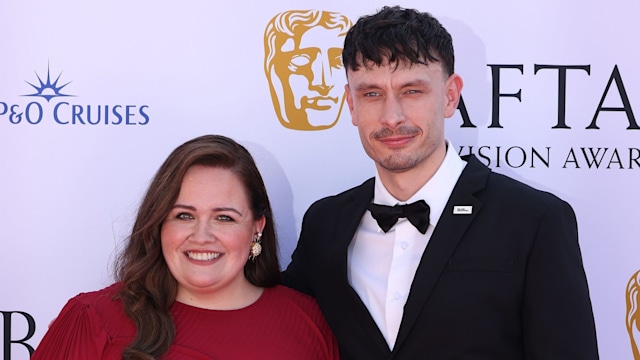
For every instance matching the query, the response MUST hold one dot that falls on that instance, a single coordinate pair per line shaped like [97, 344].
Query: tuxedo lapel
[446, 236]
[349, 217]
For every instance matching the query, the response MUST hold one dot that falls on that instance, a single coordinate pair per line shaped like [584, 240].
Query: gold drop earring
[256, 248]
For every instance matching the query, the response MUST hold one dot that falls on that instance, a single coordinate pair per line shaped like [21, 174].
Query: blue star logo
[48, 90]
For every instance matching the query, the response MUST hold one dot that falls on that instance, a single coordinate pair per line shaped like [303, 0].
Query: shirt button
[404, 245]
[396, 295]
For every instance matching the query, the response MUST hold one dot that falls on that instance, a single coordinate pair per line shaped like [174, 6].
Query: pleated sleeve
[76, 334]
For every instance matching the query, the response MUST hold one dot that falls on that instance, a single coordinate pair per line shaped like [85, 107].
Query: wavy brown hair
[149, 289]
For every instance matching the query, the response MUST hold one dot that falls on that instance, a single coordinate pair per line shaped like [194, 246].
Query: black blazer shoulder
[357, 194]
[494, 188]
[476, 181]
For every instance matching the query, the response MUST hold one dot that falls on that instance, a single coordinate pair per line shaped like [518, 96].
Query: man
[494, 270]
[304, 67]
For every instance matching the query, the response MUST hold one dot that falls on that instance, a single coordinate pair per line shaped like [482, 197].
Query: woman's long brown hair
[149, 289]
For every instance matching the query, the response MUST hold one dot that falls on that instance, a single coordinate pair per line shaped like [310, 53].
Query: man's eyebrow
[413, 82]
[417, 82]
[365, 86]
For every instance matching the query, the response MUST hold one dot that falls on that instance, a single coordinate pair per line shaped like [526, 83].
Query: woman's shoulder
[290, 297]
[87, 324]
[104, 307]
[287, 292]
[102, 299]
[298, 318]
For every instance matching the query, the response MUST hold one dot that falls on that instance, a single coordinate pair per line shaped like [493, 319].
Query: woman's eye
[224, 218]
[184, 216]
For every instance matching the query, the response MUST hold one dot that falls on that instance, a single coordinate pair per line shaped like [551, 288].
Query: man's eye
[371, 94]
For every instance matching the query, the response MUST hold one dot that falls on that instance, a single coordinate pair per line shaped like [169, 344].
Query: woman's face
[207, 235]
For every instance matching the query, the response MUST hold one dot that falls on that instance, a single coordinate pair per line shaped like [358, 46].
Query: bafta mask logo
[303, 64]
[633, 313]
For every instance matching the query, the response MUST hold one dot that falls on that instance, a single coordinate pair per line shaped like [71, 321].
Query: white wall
[68, 192]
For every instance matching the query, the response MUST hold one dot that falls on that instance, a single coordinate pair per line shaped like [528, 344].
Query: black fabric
[417, 213]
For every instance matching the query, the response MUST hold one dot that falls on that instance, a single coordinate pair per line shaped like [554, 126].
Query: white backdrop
[69, 191]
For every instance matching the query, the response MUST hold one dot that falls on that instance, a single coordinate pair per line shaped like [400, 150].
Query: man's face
[400, 113]
[312, 78]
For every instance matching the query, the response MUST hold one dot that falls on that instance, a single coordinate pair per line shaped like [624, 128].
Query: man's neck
[403, 185]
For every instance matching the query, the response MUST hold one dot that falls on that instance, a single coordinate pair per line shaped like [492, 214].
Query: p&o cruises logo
[65, 112]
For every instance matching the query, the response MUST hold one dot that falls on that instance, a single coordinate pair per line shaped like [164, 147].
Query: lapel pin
[462, 210]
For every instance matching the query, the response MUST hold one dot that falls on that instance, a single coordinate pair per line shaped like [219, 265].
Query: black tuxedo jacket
[504, 282]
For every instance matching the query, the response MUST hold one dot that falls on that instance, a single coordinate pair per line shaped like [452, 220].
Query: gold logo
[633, 314]
[303, 64]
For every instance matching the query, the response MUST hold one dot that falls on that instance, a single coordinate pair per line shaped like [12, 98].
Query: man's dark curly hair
[398, 35]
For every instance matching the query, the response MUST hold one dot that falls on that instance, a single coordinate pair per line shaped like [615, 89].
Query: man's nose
[393, 113]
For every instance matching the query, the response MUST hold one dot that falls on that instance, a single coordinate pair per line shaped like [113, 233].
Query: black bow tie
[417, 213]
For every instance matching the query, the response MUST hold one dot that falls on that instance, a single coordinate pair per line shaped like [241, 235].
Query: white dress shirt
[380, 265]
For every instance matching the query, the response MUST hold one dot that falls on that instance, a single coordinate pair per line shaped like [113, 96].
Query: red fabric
[282, 324]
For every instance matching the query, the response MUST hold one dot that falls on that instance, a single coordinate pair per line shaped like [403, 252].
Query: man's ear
[453, 88]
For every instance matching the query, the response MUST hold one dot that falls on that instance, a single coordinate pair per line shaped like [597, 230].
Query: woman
[198, 277]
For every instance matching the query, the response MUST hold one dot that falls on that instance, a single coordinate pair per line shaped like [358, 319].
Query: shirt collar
[435, 192]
